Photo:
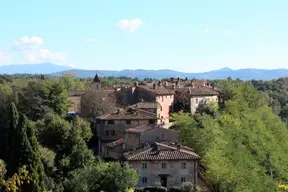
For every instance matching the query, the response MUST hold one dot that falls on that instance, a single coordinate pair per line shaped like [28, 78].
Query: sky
[184, 35]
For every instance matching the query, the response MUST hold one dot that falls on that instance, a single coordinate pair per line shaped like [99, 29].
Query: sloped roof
[158, 90]
[140, 129]
[146, 105]
[96, 79]
[160, 152]
[201, 91]
[114, 143]
[129, 113]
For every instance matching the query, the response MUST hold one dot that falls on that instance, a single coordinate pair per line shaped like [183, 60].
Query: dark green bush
[175, 189]
[155, 189]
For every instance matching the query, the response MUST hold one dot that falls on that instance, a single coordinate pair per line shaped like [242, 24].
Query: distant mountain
[244, 74]
[56, 70]
[43, 68]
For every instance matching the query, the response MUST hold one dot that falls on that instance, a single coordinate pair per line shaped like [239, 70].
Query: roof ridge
[144, 151]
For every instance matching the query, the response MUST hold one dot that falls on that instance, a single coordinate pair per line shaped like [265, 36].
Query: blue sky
[185, 35]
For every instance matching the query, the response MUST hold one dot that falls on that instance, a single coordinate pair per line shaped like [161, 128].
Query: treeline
[43, 150]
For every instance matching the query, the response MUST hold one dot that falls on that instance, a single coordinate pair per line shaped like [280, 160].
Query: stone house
[75, 101]
[111, 127]
[137, 137]
[167, 163]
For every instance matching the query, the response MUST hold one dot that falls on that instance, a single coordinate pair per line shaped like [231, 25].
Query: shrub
[155, 189]
[175, 189]
[139, 189]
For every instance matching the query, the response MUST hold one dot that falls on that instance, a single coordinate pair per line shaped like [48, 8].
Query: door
[163, 181]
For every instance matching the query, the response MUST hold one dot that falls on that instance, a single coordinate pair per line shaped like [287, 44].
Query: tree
[244, 147]
[67, 140]
[96, 102]
[108, 177]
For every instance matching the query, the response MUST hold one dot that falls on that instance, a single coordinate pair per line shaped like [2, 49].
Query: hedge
[155, 189]
[175, 189]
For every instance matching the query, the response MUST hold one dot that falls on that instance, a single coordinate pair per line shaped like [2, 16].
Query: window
[163, 165]
[113, 132]
[98, 121]
[162, 98]
[196, 100]
[128, 122]
[144, 179]
[107, 133]
[162, 136]
[151, 121]
[183, 179]
[144, 165]
[183, 165]
[111, 122]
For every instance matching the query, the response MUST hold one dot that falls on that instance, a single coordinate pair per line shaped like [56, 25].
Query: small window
[107, 133]
[144, 179]
[196, 100]
[183, 179]
[98, 121]
[144, 166]
[163, 165]
[183, 165]
[162, 136]
[128, 122]
[110, 122]
[113, 132]
[151, 121]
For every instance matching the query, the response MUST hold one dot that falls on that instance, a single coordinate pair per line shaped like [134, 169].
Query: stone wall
[198, 101]
[174, 172]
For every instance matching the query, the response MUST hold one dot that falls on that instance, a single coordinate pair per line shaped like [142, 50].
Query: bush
[155, 189]
[139, 189]
[175, 189]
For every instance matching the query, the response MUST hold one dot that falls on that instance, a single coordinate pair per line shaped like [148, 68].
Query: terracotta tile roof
[114, 143]
[140, 129]
[146, 105]
[129, 113]
[201, 91]
[159, 152]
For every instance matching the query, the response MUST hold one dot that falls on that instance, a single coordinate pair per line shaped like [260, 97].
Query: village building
[111, 127]
[165, 162]
[137, 137]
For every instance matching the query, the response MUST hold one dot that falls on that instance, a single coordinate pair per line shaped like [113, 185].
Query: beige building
[166, 163]
[111, 127]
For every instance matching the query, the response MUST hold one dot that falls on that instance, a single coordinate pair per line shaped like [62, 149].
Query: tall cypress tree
[30, 156]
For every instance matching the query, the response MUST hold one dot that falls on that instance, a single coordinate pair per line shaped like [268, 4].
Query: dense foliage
[42, 149]
[243, 146]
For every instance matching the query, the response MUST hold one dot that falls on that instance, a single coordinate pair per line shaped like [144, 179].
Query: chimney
[142, 100]
[154, 86]
[173, 86]
[172, 79]
[159, 83]
[190, 91]
[193, 86]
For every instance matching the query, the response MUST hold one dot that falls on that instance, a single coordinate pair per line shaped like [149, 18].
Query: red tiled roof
[114, 143]
[129, 113]
[140, 129]
[160, 152]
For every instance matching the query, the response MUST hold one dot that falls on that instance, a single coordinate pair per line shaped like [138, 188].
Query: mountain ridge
[223, 73]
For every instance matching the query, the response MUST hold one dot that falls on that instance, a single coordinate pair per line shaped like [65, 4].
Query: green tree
[108, 177]
[244, 147]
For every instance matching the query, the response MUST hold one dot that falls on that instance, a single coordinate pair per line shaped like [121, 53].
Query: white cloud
[28, 42]
[228, 31]
[90, 41]
[206, 30]
[129, 25]
[34, 53]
